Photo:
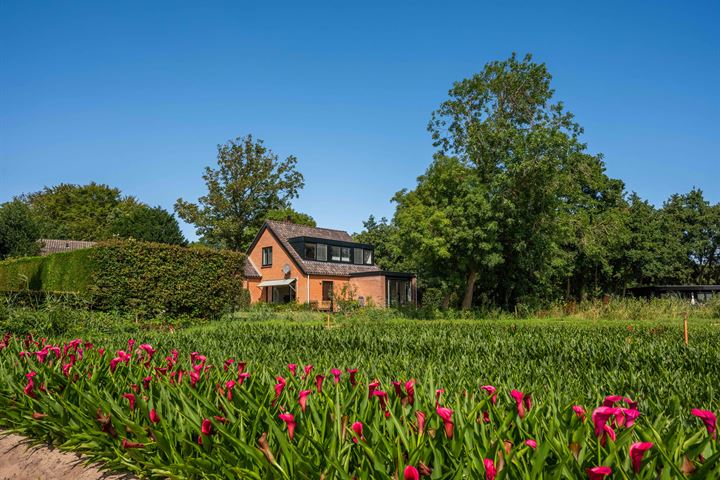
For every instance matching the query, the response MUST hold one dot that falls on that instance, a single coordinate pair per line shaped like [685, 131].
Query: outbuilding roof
[49, 245]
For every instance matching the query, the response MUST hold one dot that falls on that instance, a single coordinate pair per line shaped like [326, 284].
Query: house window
[334, 253]
[321, 252]
[345, 251]
[310, 251]
[358, 256]
[367, 257]
[327, 291]
[399, 292]
[266, 256]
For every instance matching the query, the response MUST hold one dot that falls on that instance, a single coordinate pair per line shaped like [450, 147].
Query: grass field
[559, 363]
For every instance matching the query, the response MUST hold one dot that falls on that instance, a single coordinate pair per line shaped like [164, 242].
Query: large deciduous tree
[523, 153]
[249, 182]
[19, 231]
[150, 224]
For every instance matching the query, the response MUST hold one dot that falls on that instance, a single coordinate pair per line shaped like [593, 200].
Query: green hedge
[61, 272]
[158, 279]
[147, 279]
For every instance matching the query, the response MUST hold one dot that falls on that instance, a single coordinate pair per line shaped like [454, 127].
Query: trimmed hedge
[158, 279]
[61, 272]
[147, 279]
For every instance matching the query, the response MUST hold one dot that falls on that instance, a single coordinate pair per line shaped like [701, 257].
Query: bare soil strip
[20, 461]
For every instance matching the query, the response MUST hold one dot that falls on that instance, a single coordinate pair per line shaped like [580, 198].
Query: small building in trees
[49, 246]
[699, 293]
[287, 262]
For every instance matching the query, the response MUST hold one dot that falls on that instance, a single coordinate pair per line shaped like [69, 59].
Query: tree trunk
[469, 289]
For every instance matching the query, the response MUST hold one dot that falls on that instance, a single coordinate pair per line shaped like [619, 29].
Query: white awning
[276, 283]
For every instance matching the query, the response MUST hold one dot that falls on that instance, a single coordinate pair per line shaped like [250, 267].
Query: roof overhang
[384, 273]
[276, 283]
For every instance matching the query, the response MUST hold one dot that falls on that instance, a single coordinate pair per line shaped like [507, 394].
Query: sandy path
[19, 461]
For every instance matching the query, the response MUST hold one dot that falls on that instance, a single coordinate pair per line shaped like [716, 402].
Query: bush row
[147, 279]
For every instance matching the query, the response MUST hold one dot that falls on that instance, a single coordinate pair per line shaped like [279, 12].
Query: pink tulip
[438, 394]
[485, 416]
[446, 416]
[598, 473]
[289, 420]
[491, 391]
[307, 369]
[154, 418]
[194, 378]
[113, 363]
[293, 368]
[303, 399]
[318, 382]
[357, 427]
[611, 400]
[531, 443]
[398, 389]
[637, 450]
[411, 473]
[336, 373]
[146, 382]
[229, 385]
[490, 471]
[627, 417]
[241, 367]
[130, 398]
[523, 402]
[709, 419]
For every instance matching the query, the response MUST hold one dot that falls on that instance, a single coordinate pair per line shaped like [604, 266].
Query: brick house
[287, 262]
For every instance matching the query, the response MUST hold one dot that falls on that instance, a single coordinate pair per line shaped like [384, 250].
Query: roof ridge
[286, 222]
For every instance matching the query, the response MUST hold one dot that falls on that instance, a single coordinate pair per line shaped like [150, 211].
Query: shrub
[153, 279]
[61, 272]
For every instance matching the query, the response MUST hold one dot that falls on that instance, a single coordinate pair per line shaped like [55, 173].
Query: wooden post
[685, 328]
[328, 321]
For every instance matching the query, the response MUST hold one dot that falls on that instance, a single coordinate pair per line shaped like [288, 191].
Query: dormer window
[321, 253]
[310, 251]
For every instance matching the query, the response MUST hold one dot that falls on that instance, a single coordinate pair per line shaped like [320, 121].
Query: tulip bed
[398, 399]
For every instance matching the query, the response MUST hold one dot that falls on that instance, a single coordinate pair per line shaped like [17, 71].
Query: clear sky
[138, 94]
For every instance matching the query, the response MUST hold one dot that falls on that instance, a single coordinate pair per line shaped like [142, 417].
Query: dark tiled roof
[250, 270]
[284, 231]
[48, 246]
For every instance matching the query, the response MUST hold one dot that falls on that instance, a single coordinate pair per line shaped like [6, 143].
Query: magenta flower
[352, 372]
[357, 427]
[523, 402]
[611, 400]
[206, 427]
[146, 382]
[491, 391]
[241, 367]
[307, 369]
[147, 348]
[289, 420]
[229, 385]
[194, 378]
[411, 473]
[114, 362]
[438, 394]
[293, 368]
[627, 417]
[372, 386]
[318, 382]
[303, 399]
[279, 387]
[600, 416]
[227, 363]
[531, 443]
[490, 471]
[709, 419]
[637, 450]
[579, 412]
[336, 373]
[398, 389]
[127, 445]
[485, 416]
[410, 388]
[446, 416]
[242, 377]
[420, 421]
[154, 417]
[598, 473]
[130, 398]
[383, 398]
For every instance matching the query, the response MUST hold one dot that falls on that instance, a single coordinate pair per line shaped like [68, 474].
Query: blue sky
[138, 94]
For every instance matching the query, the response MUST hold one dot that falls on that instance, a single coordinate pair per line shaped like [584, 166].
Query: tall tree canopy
[19, 230]
[526, 168]
[250, 181]
[99, 212]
